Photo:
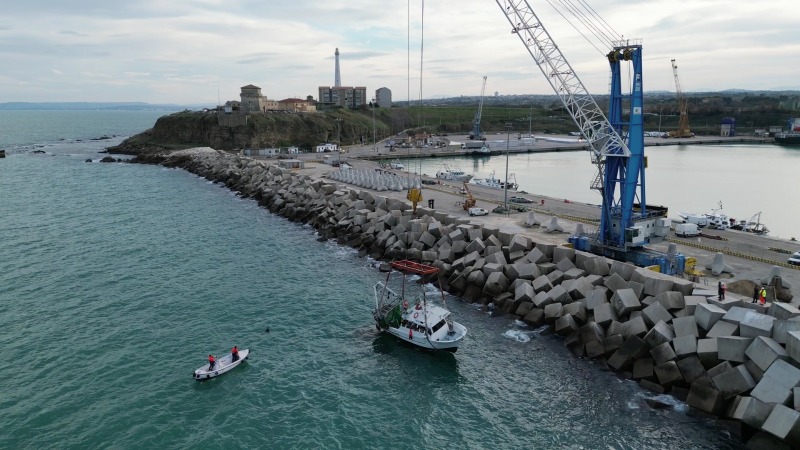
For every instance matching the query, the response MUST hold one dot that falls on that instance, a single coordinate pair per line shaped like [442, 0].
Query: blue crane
[626, 222]
[476, 126]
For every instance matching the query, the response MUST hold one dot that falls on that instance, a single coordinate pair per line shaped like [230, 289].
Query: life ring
[405, 304]
[416, 315]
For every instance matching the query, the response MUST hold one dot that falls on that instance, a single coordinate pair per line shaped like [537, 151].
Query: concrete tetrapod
[718, 265]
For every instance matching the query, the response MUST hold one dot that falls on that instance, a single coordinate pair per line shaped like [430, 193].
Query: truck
[687, 230]
[472, 145]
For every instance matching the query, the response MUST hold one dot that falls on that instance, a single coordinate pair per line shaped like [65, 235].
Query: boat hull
[224, 365]
[449, 343]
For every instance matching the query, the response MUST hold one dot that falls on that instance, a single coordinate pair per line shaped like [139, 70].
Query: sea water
[117, 281]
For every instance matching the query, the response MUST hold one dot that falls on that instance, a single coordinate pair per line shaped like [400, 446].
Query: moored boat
[496, 183]
[417, 321]
[792, 136]
[396, 164]
[452, 174]
[223, 365]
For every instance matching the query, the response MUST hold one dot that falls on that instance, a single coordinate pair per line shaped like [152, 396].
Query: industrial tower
[337, 80]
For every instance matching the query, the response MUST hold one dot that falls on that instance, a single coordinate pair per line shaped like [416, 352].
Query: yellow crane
[683, 109]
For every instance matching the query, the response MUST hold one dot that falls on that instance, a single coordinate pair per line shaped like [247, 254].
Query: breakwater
[728, 358]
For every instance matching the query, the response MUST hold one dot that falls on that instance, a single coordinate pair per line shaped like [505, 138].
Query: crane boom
[476, 129]
[624, 223]
[683, 107]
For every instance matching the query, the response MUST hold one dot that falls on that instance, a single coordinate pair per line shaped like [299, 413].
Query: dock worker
[763, 295]
[211, 362]
[234, 354]
[755, 293]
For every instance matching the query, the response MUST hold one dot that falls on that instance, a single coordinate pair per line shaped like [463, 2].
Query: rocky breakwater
[730, 358]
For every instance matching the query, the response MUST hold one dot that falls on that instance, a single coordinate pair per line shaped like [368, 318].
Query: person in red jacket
[234, 354]
[211, 362]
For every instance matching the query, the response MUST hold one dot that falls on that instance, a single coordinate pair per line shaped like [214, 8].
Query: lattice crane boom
[476, 129]
[683, 106]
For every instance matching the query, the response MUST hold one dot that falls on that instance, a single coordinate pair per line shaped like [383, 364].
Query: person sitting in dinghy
[211, 362]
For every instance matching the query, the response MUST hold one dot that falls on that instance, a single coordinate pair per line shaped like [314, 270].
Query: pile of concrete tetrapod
[730, 358]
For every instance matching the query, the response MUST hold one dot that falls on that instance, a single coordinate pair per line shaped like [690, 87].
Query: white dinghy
[223, 365]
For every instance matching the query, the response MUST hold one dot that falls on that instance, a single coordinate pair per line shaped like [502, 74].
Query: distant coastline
[93, 106]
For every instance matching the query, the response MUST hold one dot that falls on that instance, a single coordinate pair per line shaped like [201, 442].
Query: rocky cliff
[228, 132]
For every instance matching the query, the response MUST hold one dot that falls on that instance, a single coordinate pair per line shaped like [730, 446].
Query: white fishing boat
[452, 174]
[753, 225]
[223, 365]
[496, 183]
[417, 321]
[396, 164]
[717, 220]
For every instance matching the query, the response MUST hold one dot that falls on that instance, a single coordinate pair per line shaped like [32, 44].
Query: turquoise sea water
[117, 280]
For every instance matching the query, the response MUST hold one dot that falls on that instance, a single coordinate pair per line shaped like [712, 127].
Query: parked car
[426, 181]
[795, 259]
[515, 199]
[478, 212]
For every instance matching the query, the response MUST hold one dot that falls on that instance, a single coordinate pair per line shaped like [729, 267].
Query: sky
[202, 51]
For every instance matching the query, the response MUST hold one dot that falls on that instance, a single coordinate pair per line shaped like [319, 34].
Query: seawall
[731, 359]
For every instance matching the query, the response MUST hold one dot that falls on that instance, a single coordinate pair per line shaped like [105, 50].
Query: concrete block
[762, 440]
[784, 423]
[691, 368]
[751, 411]
[578, 312]
[625, 301]
[552, 312]
[668, 373]
[653, 387]
[615, 282]
[707, 315]
[565, 325]
[635, 326]
[726, 304]
[685, 345]
[723, 329]
[692, 301]
[595, 298]
[604, 314]
[796, 396]
[777, 383]
[685, 326]
[638, 288]
[659, 334]
[735, 315]
[643, 368]
[560, 295]
[523, 308]
[756, 324]
[592, 332]
[793, 345]
[555, 277]
[663, 353]
[624, 270]
[671, 300]
[633, 348]
[706, 398]
[764, 351]
[656, 313]
[615, 328]
[734, 381]
[783, 311]
[534, 318]
[754, 370]
[707, 352]
[524, 293]
[594, 349]
[781, 329]
[542, 299]
[541, 284]
[733, 348]
[612, 343]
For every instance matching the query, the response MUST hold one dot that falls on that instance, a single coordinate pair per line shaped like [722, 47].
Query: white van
[687, 230]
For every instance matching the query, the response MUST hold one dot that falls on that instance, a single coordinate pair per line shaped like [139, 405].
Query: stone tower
[337, 77]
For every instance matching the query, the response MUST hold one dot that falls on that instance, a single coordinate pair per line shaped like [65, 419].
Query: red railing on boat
[406, 265]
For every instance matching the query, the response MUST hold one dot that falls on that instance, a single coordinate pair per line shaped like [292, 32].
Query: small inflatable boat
[223, 365]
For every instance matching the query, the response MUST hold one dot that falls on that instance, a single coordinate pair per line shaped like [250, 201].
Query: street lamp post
[505, 185]
[374, 143]
[339, 140]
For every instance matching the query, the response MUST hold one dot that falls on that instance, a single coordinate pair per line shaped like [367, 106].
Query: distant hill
[96, 106]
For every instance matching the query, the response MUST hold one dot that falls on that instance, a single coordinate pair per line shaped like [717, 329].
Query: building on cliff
[253, 101]
[297, 105]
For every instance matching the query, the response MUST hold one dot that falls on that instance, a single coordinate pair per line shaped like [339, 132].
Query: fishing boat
[450, 174]
[223, 365]
[753, 225]
[396, 164]
[494, 182]
[415, 319]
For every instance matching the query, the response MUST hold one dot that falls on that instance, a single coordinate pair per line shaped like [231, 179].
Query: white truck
[478, 212]
[687, 230]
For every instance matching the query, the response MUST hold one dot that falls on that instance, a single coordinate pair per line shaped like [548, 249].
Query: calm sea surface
[117, 280]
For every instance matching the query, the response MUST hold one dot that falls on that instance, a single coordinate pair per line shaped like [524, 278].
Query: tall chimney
[338, 81]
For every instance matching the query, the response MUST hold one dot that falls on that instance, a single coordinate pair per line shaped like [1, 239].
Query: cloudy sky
[194, 51]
